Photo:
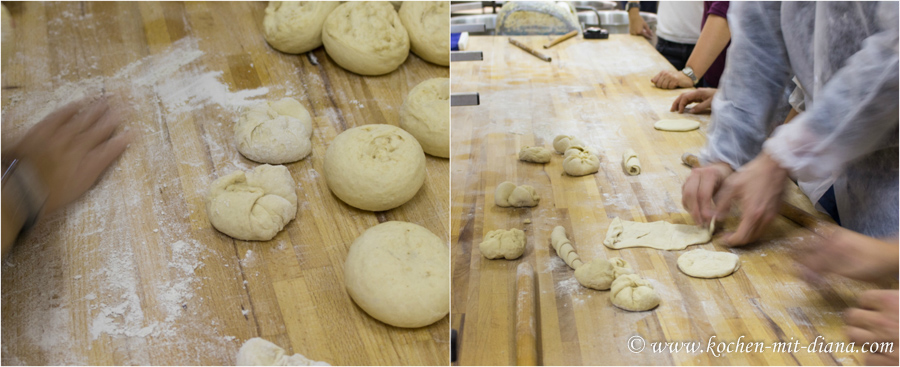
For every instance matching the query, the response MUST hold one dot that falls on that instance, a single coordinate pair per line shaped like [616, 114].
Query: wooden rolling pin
[530, 50]
[561, 38]
[789, 211]
[526, 325]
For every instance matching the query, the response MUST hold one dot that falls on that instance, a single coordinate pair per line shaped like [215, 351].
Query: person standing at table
[677, 28]
[707, 60]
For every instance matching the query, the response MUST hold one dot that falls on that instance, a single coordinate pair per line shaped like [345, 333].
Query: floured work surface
[133, 272]
[600, 91]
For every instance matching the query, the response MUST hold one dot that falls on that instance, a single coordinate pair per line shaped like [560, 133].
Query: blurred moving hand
[701, 96]
[875, 321]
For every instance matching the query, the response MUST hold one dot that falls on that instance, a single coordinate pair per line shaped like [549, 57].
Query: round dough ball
[253, 206]
[366, 38]
[274, 132]
[600, 273]
[580, 163]
[630, 292]
[399, 273]
[426, 115]
[534, 154]
[701, 263]
[503, 244]
[676, 125]
[562, 142]
[507, 194]
[296, 26]
[428, 24]
[375, 167]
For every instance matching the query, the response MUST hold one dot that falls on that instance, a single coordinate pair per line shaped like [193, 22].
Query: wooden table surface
[600, 91]
[133, 273]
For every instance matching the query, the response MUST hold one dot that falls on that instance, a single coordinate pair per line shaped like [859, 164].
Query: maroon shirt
[714, 73]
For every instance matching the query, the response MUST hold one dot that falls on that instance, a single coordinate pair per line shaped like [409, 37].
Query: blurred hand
[757, 188]
[699, 189]
[637, 26]
[853, 255]
[875, 321]
[702, 96]
[70, 148]
[670, 79]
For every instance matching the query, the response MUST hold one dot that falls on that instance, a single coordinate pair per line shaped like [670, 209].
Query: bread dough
[426, 115]
[399, 273]
[428, 24]
[676, 125]
[261, 352]
[534, 154]
[630, 163]
[296, 26]
[274, 132]
[564, 248]
[701, 263]
[375, 167]
[562, 142]
[508, 194]
[366, 37]
[631, 293]
[253, 206]
[659, 235]
[580, 163]
[501, 243]
[600, 273]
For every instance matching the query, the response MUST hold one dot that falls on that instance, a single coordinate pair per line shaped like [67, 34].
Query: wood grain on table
[600, 91]
[133, 273]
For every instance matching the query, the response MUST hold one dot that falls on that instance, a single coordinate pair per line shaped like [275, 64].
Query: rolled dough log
[701, 263]
[659, 235]
[676, 125]
[564, 248]
[630, 163]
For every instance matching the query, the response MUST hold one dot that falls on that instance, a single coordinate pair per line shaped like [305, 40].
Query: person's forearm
[713, 39]
[13, 221]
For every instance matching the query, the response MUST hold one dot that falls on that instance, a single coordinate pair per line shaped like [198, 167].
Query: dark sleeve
[719, 8]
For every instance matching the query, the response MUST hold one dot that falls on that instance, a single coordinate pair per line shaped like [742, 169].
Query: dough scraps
[261, 352]
[660, 235]
[701, 263]
[676, 125]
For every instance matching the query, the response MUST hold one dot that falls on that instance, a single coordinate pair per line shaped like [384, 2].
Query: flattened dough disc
[676, 125]
[701, 263]
[659, 235]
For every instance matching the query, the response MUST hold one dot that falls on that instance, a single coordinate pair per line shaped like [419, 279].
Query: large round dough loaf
[366, 37]
[274, 132]
[399, 273]
[253, 206]
[701, 263]
[296, 26]
[428, 24]
[426, 115]
[375, 167]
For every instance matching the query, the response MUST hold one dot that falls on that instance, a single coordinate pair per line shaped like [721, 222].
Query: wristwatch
[690, 73]
[632, 4]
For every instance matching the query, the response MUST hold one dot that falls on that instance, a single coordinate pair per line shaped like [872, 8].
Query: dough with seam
[534, 154]
[630, 163]
[631, 293]
[507, 194]
[253, 205]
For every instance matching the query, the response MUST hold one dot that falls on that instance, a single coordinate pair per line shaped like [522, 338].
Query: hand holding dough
[600, 273]
[580, 163]
[701, 263]
[564, 248]
[501, 243]
[534, 154]
[508, 194]
[630, 163]
[631, 293]
[261, 352]
[676, 125]
[659, 235]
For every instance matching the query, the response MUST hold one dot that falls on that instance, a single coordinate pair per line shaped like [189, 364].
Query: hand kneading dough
[631, 293]
[659, 235]
[534, 154]
[630, 163]
[261, 352]
[426, 115]
[580, 163]
[366, 37]
[676, 125]
[508, 194]
[701, 263]
[375, 167]
[399, 273]
[600, 273]
[274, 132]
[296, 26]
[562, 142]
[501, 243]
[253, 206]
[428, 24]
